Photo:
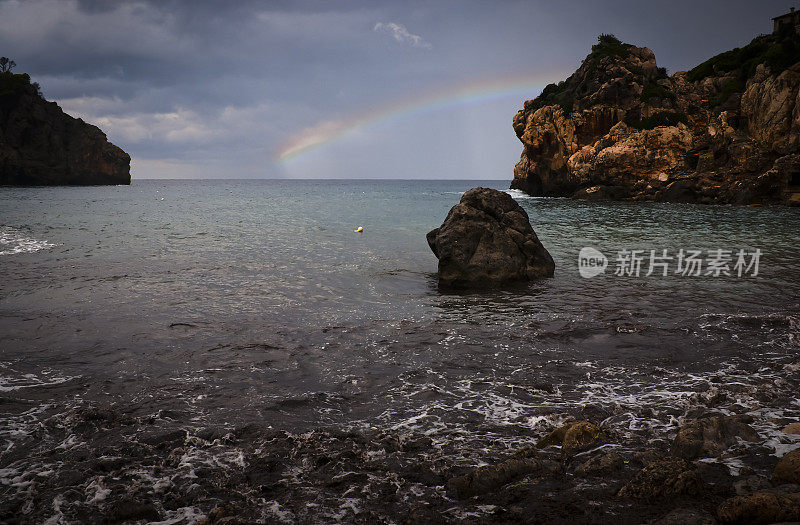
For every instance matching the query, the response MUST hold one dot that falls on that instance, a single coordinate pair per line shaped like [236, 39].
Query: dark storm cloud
[219, 85]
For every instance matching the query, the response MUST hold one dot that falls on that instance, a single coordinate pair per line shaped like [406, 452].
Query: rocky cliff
[728, 131]
[41, 145]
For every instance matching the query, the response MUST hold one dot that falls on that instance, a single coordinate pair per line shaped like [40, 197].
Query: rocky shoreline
[114, 468]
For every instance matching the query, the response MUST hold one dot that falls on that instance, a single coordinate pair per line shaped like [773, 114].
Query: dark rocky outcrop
[788, 468]
[41, 145]
[711, 436]
[663, 478]
[686, 517]
[760, 508]
[600, 465]
[489, 478]
[574, 437]
[487, 240]
[620, 128]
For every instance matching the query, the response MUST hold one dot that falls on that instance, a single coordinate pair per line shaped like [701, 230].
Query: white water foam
[11, 380]
[518, 194]
[13, 241]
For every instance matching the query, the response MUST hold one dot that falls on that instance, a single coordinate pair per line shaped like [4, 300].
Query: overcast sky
[344, 89]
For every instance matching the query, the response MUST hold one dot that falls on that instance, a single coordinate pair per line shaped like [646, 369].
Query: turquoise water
[228, 302]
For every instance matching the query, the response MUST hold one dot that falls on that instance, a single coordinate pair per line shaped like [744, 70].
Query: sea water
[218, 304]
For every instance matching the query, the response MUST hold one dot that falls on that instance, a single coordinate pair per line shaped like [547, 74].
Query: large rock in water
[487, 240]
[40, 145]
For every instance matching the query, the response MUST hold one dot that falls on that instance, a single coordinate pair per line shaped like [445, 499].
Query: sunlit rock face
[620, 128]
[40, 145]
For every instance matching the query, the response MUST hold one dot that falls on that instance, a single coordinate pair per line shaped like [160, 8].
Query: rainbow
[471, 94]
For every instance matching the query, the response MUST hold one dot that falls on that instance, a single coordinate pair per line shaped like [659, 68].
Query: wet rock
[417, 444]
[751, 484]
[716, 478]
[582, 436]
[788, 468]
[663, 478]
[556, 437]
[686, 517]
[223, 514]
[164, 439]
[574, 437]
[489, 478]
[792, 428]
[487, 240]
[599, 465]
[645, 457]
[760, 508]
[347, 479]
[711, 436]
[420, 473]
[106, 464]
[128, 509]
[423, 514]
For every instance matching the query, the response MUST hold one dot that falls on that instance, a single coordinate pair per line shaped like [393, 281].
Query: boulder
[574, 437]
[489, 478]
[788, 468]
[487, 240]
[760, 508]
[600, 465]
[792, 428]
[663, 478]
[686, 517]
[709, 437]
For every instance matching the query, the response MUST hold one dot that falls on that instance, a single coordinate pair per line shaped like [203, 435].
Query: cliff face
[41, 145]
[727, 131]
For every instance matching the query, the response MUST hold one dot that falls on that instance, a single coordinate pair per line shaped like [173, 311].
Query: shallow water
[231, 303]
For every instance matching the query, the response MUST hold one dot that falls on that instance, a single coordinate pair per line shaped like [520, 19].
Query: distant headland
[40, 145]
[619, 128]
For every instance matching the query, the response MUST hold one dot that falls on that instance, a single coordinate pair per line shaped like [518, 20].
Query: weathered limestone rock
[487, 240]
[620, 128]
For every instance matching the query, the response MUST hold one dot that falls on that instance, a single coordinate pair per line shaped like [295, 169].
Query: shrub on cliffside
[778, 51]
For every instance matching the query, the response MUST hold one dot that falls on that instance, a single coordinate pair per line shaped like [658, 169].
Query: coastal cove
[234, 345]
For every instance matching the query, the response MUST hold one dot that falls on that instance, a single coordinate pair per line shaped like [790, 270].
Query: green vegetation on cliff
[778, 51]
[11, 83]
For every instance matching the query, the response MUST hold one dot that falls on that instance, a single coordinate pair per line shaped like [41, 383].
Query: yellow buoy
[359, 229]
